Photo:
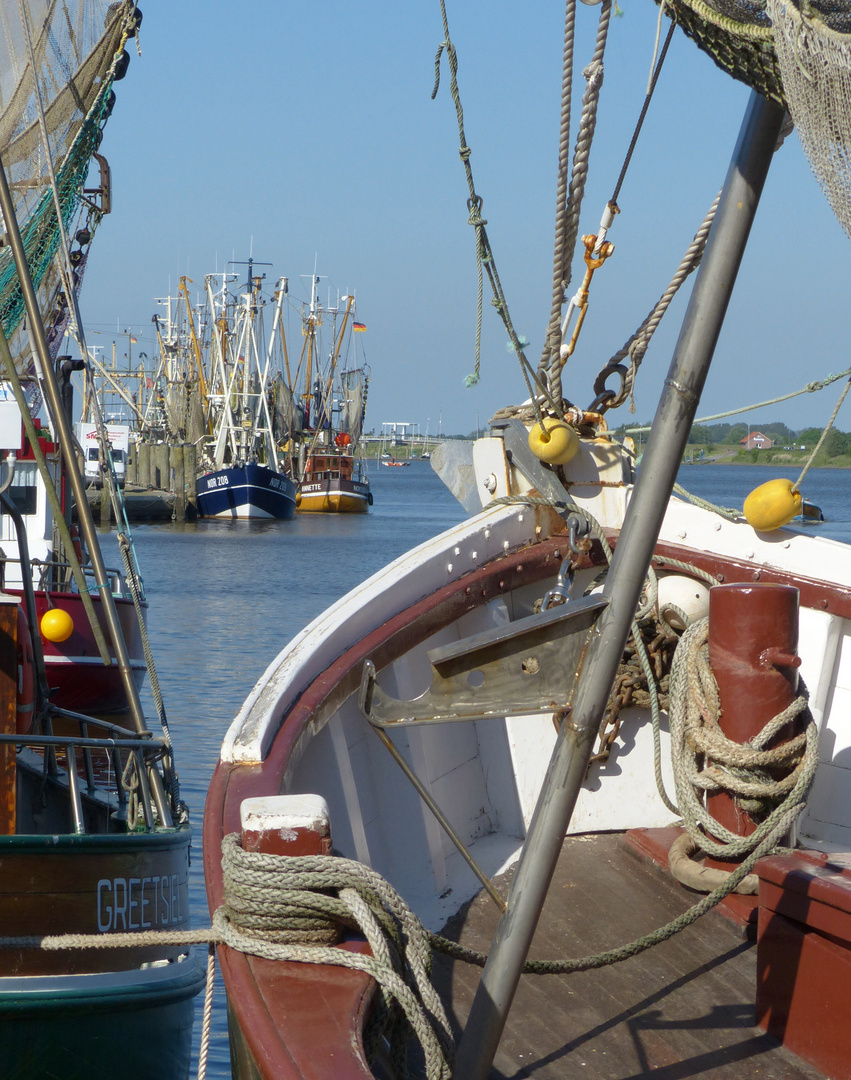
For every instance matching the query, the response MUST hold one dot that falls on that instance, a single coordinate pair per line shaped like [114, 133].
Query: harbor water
[226, 597]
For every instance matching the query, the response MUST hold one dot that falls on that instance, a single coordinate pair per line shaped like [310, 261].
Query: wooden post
[160, 475]
[143, 467]
[177, 465]
[190, 472]
[8, 709]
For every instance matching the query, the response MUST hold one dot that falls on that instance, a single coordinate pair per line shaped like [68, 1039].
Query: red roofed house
[757, 441]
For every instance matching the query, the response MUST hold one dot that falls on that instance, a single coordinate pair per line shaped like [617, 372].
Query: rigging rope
[485, 261]
[568, 212]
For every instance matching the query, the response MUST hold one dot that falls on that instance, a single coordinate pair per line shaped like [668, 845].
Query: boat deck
[683, 1009]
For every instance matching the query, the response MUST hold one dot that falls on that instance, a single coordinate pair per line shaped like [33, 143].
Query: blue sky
[306, 133]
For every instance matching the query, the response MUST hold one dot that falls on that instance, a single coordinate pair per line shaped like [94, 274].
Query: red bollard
[753, 641]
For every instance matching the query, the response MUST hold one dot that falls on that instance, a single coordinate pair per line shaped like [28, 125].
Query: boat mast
[311, 342]
[674, 417]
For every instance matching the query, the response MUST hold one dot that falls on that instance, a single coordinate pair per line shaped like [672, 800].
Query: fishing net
[813, 49]
[353, 389]
[798, 53]
[58, 62]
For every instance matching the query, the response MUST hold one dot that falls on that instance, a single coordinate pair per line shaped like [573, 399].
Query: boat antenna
[250, 263]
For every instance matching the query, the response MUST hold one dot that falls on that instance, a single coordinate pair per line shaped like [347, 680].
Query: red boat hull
[78, 678]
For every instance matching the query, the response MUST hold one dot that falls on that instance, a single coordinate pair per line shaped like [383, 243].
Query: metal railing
[132, 760]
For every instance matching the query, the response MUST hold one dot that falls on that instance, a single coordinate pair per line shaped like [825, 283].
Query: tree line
[783, 437]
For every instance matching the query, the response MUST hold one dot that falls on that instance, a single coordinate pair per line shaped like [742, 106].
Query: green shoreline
[768, 459]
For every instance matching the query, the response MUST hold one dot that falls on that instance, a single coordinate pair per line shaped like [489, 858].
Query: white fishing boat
[243, 474]
[502, 734]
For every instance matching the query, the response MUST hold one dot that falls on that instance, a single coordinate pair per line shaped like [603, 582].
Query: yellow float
[553, 441]
[772, 504]
[56, 625]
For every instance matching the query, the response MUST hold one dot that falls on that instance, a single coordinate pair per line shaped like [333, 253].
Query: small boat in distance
[811, 513]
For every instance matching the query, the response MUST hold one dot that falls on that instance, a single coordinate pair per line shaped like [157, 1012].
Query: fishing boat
[243, 474]
[325, 418]
[94, 839]
[544, 733]
[76, 674]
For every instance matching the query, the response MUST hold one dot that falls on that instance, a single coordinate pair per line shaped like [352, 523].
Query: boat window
[93, 453]
[25, 497]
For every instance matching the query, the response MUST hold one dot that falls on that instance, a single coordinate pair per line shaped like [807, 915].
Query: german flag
[358, 327]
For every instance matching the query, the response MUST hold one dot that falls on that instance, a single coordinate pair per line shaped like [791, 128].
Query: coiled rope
[705, 761]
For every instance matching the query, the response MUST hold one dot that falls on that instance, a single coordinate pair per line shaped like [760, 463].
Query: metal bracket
[527, 667]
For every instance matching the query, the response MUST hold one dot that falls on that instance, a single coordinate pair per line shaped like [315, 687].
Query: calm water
[226, 597]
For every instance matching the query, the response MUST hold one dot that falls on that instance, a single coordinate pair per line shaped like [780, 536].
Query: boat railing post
[74, 788]
[87, 759]
[120, 789]
[634, 550]
[143, 789]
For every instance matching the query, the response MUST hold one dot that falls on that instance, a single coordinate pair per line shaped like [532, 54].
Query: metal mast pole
[39, 346]
[671, 426]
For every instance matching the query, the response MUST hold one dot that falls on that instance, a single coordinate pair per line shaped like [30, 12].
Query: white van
[119, 443]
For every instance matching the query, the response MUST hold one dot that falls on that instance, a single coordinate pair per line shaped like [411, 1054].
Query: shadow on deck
[680, 1010]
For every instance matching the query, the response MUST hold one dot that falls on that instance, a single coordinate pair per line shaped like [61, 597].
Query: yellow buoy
[553, 441]
[56, 625]
[772, 504]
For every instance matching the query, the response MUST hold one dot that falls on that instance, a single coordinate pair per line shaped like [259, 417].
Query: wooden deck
[683, 1009]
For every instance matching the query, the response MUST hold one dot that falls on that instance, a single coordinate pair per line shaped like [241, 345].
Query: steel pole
[63, 431]
[671, 426]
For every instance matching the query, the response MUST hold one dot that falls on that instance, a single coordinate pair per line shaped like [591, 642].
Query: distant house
[757, 441]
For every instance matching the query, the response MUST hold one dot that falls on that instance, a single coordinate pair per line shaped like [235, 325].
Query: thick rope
[207, 1023]
[272, 900]
[561, 244]
[727, 514]
[637, 345]
[569, 218]
[705, 761]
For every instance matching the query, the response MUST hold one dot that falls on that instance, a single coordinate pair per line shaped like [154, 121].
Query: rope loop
[474, 205]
